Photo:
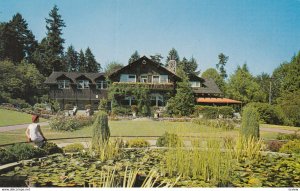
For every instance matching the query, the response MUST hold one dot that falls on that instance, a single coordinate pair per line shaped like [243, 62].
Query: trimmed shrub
[88, 106]
[291, 147]
[137, 143]
[282, 136]
[101, 132]
[121, 110]
[134, 108]
[19, 103]
[169, 140]
[68, 107]
[225, 124]
[212, 112]
[6, 156]
[65, 123]
[51, 148]
[270, 114]
[38, 107]
[24, 151]
[275, 145]
[75, 147]
[250, 122]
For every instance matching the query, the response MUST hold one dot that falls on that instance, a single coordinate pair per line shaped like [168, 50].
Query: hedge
[212, 112]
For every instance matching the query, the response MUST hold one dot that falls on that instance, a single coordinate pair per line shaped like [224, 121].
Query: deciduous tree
[112, 67]
[214, 74]
[242, 86]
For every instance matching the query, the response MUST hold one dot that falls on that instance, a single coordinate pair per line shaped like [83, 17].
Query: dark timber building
[80, 89]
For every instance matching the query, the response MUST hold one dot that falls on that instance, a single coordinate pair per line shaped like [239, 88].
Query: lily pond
[160, 168]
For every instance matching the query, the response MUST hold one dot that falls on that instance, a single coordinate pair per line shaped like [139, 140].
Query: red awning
[217, 100]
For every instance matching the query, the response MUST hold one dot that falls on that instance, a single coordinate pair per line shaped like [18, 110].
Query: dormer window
[83, 84]
[100, 84]
[63, 84]
[195, 84]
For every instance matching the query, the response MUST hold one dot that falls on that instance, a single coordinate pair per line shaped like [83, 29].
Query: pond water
[82, 170]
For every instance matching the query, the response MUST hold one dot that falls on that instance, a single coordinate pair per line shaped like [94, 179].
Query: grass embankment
[151, 129]
[9, 117]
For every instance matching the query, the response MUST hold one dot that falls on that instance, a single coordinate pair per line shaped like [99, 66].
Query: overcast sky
[261, 33]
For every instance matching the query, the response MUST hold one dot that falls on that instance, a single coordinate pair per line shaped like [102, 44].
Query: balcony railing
[160, 86]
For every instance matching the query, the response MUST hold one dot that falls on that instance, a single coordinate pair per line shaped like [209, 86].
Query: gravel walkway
[276, 130]
[22, 126]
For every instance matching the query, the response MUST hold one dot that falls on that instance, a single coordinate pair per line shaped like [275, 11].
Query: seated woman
[34, 132]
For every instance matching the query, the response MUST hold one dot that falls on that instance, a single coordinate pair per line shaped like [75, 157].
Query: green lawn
[151, 129]
[9, 117]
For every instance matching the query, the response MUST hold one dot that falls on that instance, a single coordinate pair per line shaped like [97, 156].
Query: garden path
[22, 126]
[276, 130]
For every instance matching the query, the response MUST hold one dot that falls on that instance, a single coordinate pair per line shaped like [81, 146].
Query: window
[157, 99]
[195, 84]
[128, 78]
[144, 78]
[83, 84]
[155, 79]
[164, 79]
[63, 84]
[101, 84]
[131, 78]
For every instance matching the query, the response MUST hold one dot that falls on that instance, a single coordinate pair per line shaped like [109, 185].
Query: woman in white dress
[34, 132]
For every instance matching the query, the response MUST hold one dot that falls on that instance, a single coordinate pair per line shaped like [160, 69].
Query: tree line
[18, 44]
[25, 62]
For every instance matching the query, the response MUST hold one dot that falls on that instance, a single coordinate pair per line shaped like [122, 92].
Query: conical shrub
[250, 122]
[101, 132]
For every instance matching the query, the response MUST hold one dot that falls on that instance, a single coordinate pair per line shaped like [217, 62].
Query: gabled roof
[52, 79]
[147, 62]
[208, 85]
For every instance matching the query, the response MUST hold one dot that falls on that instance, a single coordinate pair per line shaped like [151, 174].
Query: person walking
[34, 132]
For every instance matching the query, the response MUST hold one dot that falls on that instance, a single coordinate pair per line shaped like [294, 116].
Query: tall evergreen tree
[135, 56]
[221, 65]
[173, 55]
[39, 58]
[55, 42]
[10, 47]
[71, 59]
[81, 62]
[24, 36]
[91, 64]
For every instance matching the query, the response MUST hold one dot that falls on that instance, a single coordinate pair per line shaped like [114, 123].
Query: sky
[261, 33]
